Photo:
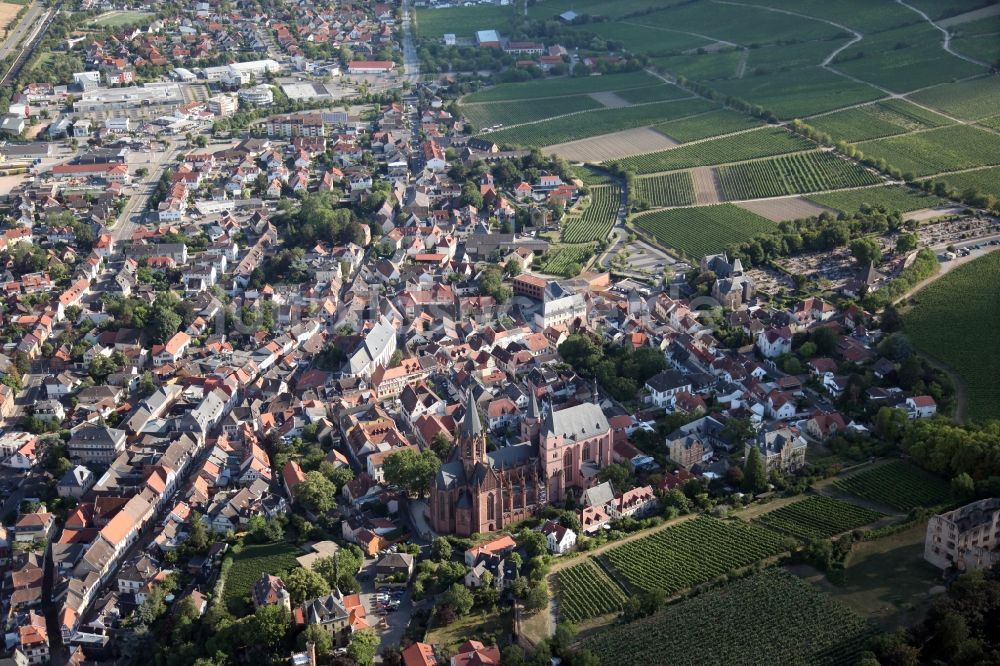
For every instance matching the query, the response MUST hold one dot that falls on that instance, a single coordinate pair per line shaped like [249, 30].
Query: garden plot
[612, 146]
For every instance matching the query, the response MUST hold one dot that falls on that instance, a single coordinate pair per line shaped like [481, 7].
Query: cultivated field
[878, 120]
[702, 230]
[596, 123]
[586, 591]
[897, 484]
[692, 552]
[532, 90]
[591, 175]
[671, 189]
[713, 123]
[564, 259]
[462, 21]
[817, 517]
[597, 219]
[7, 13]
[948, 323]
[768, 618]
[659, 93]
[982, 180]
[791, 208]
[891, 197]
[970, 100]
[706, 186]
[799, 92]
[511, 113]
[248, 565]
[612, 146]
[120, 19]
[760, 143]
[945, 149]
[792, 174]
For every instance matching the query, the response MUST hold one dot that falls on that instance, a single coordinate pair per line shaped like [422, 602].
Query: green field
[970, 100]
[986, 181]
[121, 19]
[512, 113]
[691, 553]
[643, 39]
[792, 174]
[594, 123]
[740, 24]
[659, 93]
[669, 189]
[878, 120]
[591, 175]
[532, 90]
[897, 484]
[817, 517]
[948, 322]
[799, 92]
[762, 143]
[904, 59]
[248, 565]
[713, 123]
[586, 591]
[704, 229]
[597, 219]
[945, 149]
[561, 258]
[892, 197]
[463, 21]
[765, 619]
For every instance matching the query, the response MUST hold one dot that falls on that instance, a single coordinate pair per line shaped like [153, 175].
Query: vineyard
[898, 485]
[892, 197]
[594, 123]
[769, 618]
[565, 259]
[704, 229]
[651, 94]
[532, 90]
[760, 143]
[983, 180]
[971, 100]
[692, 552]
[713, 123]
[878, 120]
[250, 562]
[817, 517]
[792, 174]
[512, 113]
[671, 189]
[945, 149]
[597, 219]
[591, 175]
[947, 323]
[585, 591]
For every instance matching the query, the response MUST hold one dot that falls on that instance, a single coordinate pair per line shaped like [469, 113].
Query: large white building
[241, 73]
[223, 105]
[966, 538]
[163, 96]
[561, 311]
[375, 350]
[258, 95]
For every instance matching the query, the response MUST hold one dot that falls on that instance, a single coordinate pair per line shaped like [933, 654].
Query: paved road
[23, 27]
[134, 212]
[390, 630]
[411, 63]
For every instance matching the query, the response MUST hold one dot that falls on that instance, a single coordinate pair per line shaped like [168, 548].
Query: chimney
[311, 649]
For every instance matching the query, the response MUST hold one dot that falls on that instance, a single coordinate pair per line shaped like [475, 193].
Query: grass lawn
[119, 19]
[248, 565]
[886, 580]
[463, 22]
[474, 626]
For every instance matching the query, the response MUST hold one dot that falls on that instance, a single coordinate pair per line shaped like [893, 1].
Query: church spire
[471, 425]
[533, 411]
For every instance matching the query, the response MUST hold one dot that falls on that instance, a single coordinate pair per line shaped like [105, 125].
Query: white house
[920, 407]
[664, 387]
[561, 539]
[775, 341]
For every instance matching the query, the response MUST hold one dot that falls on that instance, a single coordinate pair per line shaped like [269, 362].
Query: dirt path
[946, 268]
[706, 186]
[681, 32]
[974, 15]
[947, 37]
[741, 66]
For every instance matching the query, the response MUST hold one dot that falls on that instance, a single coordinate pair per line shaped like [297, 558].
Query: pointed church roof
[533, 411]
[471, 425]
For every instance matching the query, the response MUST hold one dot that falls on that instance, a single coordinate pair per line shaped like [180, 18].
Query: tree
[907, 242]
[363, 646]
[197, 533]
[459, 598]
[164, 321]
[441, 446]
[270, 625]
[963, 487]
[314, 633]
[619, 476]
[513, 267]
[316, 493]
[411, 470]
[866, 251]
[754, 474]
[538, 597]
[305, 584]
[441, 549]
[491, 284]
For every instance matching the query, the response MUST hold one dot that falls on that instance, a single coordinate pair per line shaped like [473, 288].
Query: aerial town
[499, 332]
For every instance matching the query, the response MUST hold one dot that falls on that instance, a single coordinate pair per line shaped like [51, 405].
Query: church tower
[532, 421]
[472, 438]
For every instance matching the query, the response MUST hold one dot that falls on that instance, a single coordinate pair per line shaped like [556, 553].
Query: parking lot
[391, 625]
